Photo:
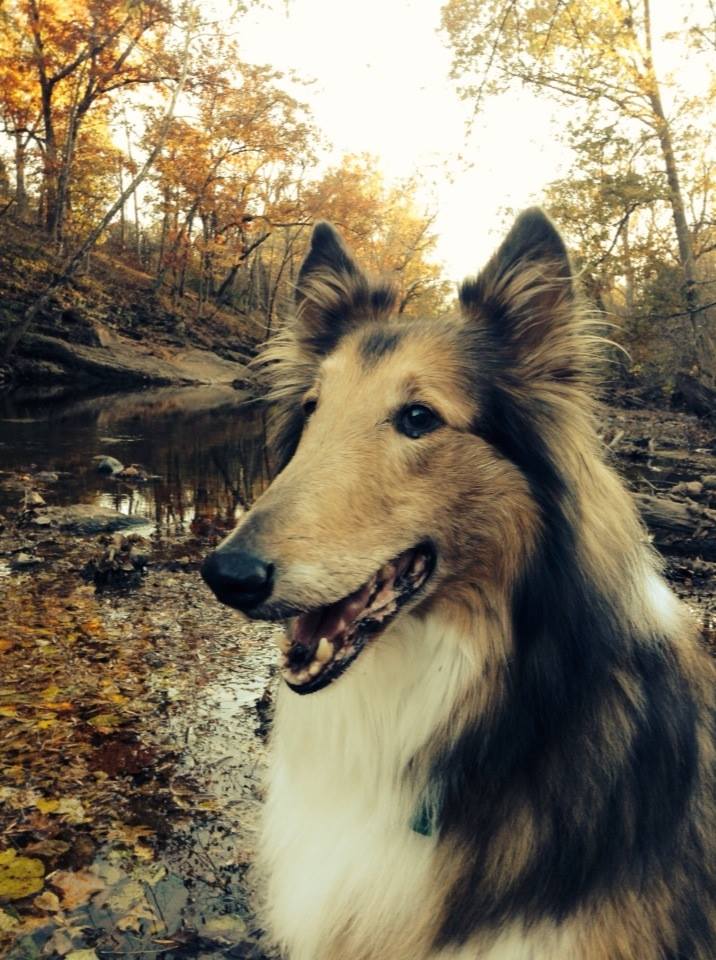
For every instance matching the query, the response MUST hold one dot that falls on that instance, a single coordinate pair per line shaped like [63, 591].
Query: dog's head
[413, 455]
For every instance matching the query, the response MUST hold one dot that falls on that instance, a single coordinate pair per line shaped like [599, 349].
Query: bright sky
[381, 86]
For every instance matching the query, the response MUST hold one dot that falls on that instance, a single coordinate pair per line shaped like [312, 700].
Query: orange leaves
[76, 888]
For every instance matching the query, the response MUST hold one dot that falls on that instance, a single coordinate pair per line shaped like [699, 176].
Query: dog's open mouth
[321, 643]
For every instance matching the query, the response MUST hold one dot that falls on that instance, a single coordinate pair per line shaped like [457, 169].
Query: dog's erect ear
[525, 295]
[332, 297]
[333, 294]
[327, 253]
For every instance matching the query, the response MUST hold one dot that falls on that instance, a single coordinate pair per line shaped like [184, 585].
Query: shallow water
[203, 445]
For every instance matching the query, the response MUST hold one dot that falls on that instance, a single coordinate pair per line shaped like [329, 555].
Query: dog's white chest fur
[338, 846]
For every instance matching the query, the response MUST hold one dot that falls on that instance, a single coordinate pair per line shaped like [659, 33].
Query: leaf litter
[130, 763]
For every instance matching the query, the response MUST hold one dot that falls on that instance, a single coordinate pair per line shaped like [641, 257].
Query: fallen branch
[680, 527]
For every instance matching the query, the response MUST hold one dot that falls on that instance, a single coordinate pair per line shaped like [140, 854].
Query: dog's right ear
[332, 297]
[333, 294]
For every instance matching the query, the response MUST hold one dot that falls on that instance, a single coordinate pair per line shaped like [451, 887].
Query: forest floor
[134, 713]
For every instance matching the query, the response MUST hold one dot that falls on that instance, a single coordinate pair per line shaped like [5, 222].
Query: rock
[133, 472]
[228, 929]
[41, 521]
[121, 565]
[709, 481]
[47, 476]
[87, 519]
[109, 465]
[33, 500]
[24, 560]
[691, 488]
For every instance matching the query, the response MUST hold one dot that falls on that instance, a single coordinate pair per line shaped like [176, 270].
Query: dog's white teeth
[315, 669]
[324, 651]
[419, 565]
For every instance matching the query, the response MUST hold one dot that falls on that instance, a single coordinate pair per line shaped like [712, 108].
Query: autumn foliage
[225, 211]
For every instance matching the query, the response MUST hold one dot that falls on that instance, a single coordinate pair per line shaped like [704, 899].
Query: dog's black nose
[238, 579]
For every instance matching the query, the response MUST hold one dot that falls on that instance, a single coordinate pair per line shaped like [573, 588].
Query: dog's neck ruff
[345, 757]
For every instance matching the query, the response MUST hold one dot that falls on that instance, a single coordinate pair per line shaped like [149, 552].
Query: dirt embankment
[112, 327]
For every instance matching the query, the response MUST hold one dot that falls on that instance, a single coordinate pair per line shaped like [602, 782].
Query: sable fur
[546, 707]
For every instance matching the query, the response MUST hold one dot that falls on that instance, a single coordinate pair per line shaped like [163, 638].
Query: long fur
[522, 766]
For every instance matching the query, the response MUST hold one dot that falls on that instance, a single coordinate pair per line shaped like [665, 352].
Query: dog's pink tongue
[308, 628]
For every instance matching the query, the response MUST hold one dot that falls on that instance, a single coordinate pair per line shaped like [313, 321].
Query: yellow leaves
[104, 722]
[6, 645]
[19, 876]
[50, 701]
[47, 901]
[46, 723]
[71, 810]
[7, 923]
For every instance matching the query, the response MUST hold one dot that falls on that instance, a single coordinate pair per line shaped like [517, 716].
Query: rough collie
[495, 735]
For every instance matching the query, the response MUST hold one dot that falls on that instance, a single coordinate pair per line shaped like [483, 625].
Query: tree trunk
[75, 260]
[701, 349]
[628, 271]
[20, 186]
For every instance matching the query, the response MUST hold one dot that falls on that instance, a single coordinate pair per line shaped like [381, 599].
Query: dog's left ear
[333, 294]
[525, 295]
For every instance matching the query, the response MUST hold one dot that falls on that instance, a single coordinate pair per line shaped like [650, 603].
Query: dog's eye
[416, 420]
[309, 406]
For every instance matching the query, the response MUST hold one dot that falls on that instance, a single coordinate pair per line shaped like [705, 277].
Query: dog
[494, 738]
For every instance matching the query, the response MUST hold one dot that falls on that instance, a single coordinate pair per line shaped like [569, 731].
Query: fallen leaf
[226, 929]
[76, 888]
[49, 849]
[47, 901]
[81, 955]
[71, 810]
[19, 876]
[7, 923]
[129, 836]
[134, 920]
[45, 723]
[46, 805]
[6, 645]
[105, 721]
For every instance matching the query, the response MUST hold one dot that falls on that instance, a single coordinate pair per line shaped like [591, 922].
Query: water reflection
[204, 445]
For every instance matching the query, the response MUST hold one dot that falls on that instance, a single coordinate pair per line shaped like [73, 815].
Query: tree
[385, 228]
[75, 59]
[224, 177]
[72, 263]
[599, 56]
